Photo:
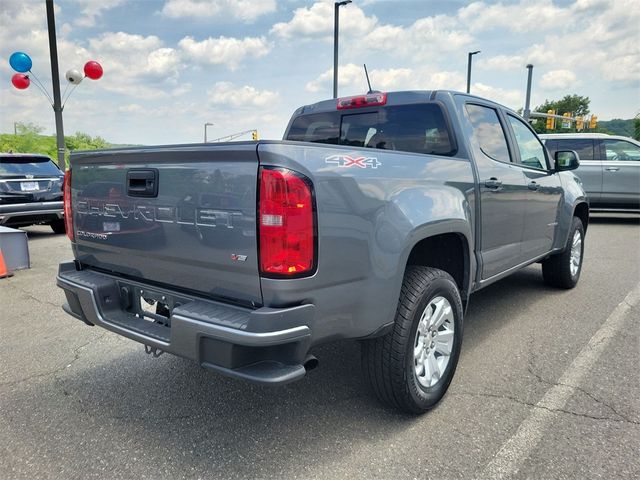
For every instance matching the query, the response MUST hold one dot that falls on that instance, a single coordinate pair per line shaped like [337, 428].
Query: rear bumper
[264, 345]
[30, 213]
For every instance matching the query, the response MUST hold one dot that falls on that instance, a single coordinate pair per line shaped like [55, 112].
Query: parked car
[30, 191]
[375, 219]
[609, 167]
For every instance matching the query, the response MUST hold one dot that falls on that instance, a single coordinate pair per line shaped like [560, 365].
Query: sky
[170, 66]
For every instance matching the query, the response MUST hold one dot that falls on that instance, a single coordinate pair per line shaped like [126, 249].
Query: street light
[471, 54]
[336, 7]
[205, 130]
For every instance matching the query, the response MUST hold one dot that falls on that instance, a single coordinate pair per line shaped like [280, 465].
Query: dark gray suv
[30, 191]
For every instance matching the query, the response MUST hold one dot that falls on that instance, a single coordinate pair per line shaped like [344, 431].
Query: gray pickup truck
[374, 219]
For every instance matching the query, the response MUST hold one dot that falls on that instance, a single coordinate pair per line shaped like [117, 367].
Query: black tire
[58, 226]
[388, 361]
[556, 270]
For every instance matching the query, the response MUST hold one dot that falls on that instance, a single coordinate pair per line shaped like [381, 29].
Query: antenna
[367, 74]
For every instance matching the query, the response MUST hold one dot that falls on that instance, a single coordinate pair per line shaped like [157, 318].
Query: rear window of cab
[418, 128]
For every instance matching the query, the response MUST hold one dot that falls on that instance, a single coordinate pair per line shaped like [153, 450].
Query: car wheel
[58, 226]
[411, 367]
[563, 269]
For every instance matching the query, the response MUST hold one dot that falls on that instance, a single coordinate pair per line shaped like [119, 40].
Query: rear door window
[488, 132]
[419, 128]
[21, 165]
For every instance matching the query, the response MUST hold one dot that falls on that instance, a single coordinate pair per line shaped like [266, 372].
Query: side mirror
[566, 160]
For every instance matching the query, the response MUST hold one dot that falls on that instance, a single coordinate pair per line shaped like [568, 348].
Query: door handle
[612, 169]
[533, 186]
[493, 183]
[142, 183]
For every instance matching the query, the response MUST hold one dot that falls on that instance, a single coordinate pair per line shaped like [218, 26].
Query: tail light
[66, 197]
[359, 101]
[286, 224]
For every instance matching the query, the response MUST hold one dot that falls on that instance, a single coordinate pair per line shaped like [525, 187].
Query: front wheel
[411, 367]
[563, 270]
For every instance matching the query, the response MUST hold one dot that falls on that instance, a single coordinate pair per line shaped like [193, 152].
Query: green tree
[576, 105]
[636, 128]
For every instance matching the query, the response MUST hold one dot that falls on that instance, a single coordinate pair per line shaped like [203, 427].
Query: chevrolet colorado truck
[375, 219]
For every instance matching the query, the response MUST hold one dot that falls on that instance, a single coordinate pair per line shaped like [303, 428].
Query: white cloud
[524, 16]
[91, 9]
[245, 10]
[226, 93]
[558, 80]
[224, 50]
[317, 21]
[136, 65]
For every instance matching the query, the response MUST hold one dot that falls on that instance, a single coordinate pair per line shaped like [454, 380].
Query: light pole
[527, 101]
[336, 7]
[471, 54]
[55, 77]
[205, 130]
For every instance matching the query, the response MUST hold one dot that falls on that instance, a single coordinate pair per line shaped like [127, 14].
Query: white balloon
[74, 76]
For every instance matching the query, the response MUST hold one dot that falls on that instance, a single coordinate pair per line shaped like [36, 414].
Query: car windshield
[37, 166]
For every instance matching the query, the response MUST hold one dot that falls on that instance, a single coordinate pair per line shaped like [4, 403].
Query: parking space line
[515, 450]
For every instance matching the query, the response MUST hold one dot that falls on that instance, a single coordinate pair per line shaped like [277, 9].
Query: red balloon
[20, 81]
[93, 70]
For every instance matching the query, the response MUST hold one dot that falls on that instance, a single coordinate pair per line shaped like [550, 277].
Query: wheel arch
[581, 210]
[449, 251]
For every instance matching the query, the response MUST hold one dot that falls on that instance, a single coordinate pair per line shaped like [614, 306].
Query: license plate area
[150, 305]
[28, 186]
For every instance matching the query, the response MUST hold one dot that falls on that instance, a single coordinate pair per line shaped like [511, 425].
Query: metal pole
[55, 79]
[469, 73]
[205, 133]
[336, 28]
[471, 54]
[527, 102]
[336, 19]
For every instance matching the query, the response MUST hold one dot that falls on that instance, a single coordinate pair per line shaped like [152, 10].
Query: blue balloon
[20, 62]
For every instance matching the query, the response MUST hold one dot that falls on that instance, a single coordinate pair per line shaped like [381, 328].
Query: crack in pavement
[76, 356]
[532, 360]
[597, 400]
[622, 419]
[33, 297]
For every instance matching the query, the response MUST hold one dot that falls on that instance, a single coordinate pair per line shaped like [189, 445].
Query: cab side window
[488, 132]
[531, 150]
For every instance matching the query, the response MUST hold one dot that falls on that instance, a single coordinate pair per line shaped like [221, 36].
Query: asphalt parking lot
[547, 387]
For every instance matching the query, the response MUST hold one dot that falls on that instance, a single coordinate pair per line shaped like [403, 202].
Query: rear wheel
[58, 226]
[411, 367]
[563, 270]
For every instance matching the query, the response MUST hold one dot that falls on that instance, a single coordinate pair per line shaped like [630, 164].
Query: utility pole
[55, 78]
[471, 54]
[336, 21]
[527, 102]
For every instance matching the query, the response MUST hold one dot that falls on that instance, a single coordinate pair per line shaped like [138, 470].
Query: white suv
[609, 167]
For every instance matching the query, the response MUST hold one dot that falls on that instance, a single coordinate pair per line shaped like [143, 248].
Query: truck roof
[393, 98]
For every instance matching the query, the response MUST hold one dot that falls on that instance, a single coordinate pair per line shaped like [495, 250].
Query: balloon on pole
[93, 70]
[73, 76]
[20, 62]
[20, 81]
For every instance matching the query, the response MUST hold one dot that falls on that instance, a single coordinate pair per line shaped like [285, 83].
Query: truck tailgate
[183, 216]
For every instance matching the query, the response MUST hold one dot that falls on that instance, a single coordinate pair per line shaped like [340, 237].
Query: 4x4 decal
[346, 161]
